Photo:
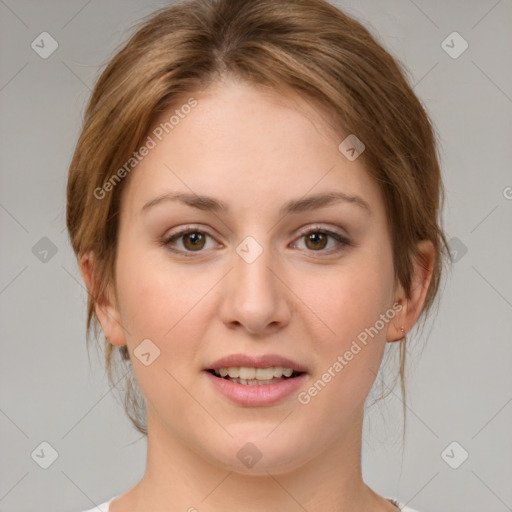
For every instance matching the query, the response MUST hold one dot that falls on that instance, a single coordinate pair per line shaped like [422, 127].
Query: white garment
[104, 507]
[402, 507]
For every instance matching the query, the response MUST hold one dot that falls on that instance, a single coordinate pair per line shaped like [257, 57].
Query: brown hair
[306, 45]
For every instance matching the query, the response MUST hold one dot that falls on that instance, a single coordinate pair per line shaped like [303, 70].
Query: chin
[259, 454]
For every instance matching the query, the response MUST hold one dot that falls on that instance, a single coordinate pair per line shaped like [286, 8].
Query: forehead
[228, 105]
[246, 143]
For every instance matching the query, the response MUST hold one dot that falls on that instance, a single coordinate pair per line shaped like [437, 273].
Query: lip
[254, 396]
[261, 361]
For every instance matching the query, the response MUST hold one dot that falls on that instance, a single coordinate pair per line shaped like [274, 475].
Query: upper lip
[259, 361]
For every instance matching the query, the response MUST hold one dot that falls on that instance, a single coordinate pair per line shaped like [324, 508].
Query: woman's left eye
[316, 240]
[194, 240]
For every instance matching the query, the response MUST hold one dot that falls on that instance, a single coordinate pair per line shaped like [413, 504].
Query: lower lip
[255, 396]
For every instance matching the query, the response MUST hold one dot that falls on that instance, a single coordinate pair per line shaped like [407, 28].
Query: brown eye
[187, 242]
[316, 240]
[193, 240]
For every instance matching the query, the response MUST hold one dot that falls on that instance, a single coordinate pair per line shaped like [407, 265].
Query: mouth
[248, 386]
[249, 376]
[256, 380]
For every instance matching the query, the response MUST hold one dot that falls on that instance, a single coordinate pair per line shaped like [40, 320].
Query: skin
[253, 149]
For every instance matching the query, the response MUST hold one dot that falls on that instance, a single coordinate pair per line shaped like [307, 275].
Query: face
[273, 274]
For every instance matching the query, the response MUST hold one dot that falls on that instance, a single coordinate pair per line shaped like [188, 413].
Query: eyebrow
[314, 202]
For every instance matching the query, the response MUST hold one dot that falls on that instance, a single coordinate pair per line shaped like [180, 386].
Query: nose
[255, 295]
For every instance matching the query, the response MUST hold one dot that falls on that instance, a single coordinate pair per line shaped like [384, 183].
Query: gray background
[459, 379]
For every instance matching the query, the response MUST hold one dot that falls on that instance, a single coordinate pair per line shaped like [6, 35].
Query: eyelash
[342, 240]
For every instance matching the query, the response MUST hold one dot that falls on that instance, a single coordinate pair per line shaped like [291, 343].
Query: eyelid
[318, 227]
[187, 228]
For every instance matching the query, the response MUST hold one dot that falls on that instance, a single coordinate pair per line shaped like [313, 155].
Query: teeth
[263, 373]
[287, 372]
[256, 382]
[278, 371]
[247, 373]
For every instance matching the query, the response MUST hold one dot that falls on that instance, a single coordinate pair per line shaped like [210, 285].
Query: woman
[254, 203]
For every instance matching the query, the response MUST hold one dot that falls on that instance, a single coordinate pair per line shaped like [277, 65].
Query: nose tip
[255, 298]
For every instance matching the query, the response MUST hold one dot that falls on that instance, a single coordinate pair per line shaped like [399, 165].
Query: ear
[105, 305]
[412, 306]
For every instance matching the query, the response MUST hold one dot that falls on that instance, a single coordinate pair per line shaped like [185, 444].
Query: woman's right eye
[193, 240]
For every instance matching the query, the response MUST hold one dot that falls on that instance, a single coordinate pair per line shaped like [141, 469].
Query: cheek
[152, 295]
[350, 306]
[166, 304]
[165, 309]
[352, 296]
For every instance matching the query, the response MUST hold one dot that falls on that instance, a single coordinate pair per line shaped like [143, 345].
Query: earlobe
[105, 303]
[412, 306]
[396, 333]
[396, 329]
